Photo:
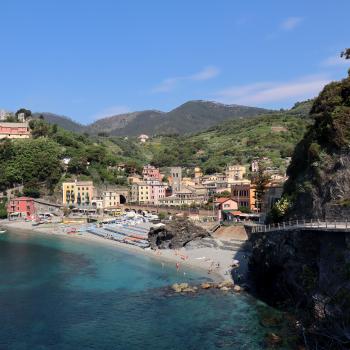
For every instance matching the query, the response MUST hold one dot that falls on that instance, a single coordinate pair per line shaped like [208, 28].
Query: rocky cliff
[307, 273]
[175, 234]
[319, 173]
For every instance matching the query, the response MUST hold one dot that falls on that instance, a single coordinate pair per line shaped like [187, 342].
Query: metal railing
[303, 224]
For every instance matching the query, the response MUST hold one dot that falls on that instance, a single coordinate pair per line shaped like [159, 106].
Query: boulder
[228, 284]
[175, 234]
[237, 288]
[206, 285]
[225, 289]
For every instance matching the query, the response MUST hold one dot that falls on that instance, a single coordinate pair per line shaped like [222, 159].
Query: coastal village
[218, 203]
[229, 196]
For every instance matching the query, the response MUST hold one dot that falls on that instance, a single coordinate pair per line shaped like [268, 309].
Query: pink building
[150, 172]
[156, 191]
[21, 207]
[14, 130]
[225, 207]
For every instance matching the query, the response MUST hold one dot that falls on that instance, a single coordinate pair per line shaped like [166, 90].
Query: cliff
[308, 274]
[319, 173]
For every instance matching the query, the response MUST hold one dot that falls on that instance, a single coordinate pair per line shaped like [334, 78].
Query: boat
[2, 231]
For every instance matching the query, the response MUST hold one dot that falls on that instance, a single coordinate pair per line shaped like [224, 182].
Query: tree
[346, 54]
[39, 128]
[27, 113]
[261, 179]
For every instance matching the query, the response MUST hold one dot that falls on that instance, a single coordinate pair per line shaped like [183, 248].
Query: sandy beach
[214, 263]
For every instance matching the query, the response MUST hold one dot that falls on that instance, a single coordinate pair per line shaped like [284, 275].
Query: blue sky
[87, 59]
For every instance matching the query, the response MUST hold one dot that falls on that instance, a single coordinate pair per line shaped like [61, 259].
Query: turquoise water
[57, 293]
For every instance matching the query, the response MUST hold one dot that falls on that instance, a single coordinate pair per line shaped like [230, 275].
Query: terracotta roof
[222, 200]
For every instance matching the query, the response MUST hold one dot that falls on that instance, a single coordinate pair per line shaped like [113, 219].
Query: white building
[143, 138]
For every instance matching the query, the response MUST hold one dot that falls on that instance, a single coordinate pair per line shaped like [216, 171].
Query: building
[134, 179]
[21, 207]
[150, 172]
[143, 138]
[188, 181]
[213, 178]
[77, 193]
[198, 174]
[184, 197]
[244, 193]
[97, 203]
[226, 204]
[148, 192]
[176, 178]
[3, 115]
[254, 166]
[14, 130]
[226, 208]
[235, 173]
[110, 198]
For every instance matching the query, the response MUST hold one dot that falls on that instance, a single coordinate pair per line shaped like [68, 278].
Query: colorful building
[147, 192]
[244, 193]
[77, 193]
[14, 130]
[150, 172]
[226, 208]
[21, 207]
[235, 173]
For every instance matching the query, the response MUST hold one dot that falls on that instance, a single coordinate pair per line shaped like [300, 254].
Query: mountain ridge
[191, 116]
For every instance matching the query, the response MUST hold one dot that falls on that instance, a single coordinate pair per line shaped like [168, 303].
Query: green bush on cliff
[314, 160]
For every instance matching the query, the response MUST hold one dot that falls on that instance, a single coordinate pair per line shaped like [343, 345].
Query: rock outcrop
[319, 173]
[176, 234]
[308, 273]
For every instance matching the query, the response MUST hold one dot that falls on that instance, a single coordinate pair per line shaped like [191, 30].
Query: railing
[303, 224]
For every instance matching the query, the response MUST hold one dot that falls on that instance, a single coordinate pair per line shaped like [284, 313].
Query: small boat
[2, 231]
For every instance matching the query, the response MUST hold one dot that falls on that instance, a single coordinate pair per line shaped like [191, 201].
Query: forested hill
[191, 117]
[37, 162]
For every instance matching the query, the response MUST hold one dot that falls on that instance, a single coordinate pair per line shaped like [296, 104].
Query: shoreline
[199, 259]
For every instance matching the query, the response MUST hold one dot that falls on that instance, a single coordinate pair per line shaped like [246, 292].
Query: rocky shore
[176, 234]
[224, 286]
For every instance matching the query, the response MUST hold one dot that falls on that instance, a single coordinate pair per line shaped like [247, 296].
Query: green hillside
[236, 141]
[37, 163]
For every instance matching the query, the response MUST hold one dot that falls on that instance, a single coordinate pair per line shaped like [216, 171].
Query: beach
[214, 263]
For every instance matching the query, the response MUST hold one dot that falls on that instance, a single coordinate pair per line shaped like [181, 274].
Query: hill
[235, 141]
[62, 121]
[191, 117]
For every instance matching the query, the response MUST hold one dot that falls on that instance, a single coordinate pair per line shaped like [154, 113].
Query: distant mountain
[129, 124]
[62, 121]
[192, 116]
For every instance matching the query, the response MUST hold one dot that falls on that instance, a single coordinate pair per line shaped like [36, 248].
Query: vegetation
[38, 164]
[3, 210]
[236, 141]
[317, 168]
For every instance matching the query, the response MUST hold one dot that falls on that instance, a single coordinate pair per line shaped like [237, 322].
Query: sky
[87, 59]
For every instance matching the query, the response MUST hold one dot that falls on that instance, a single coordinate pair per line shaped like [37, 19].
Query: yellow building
[77, 193]
[235, 173]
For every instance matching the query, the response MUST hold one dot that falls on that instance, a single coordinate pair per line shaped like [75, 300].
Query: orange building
[244, 193]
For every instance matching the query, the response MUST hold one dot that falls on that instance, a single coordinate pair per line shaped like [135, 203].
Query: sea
[69, 294]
